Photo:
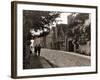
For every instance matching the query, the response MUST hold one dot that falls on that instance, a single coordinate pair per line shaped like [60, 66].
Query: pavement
[56, 58]
[34, 62]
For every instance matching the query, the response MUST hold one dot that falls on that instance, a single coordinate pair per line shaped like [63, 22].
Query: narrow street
[55, 58]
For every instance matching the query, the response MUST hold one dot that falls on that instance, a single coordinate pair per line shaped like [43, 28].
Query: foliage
[77, 30]
[37, 20]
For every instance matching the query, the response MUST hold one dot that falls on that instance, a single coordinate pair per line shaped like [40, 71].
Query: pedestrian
[37, 46]
[31, 46]
[39, 49]
[35, 50]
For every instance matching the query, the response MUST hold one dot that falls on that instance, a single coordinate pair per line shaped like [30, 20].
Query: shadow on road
[35, 62]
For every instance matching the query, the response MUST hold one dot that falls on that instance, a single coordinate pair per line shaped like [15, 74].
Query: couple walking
[37, 46]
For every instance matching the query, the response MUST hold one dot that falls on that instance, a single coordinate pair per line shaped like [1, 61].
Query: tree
[37, 20]
[77, 30]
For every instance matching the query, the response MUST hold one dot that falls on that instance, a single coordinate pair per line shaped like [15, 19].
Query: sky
[63, 18]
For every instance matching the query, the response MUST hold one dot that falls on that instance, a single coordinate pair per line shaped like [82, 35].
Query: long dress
[32, 46]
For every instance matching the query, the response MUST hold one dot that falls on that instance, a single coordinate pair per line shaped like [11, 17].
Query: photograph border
[14, 37]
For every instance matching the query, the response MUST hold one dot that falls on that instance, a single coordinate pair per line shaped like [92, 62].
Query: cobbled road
[56, 58]
[65, 59]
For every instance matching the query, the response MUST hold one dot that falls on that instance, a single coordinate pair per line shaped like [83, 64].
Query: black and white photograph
[56, 39]
[53, 39]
